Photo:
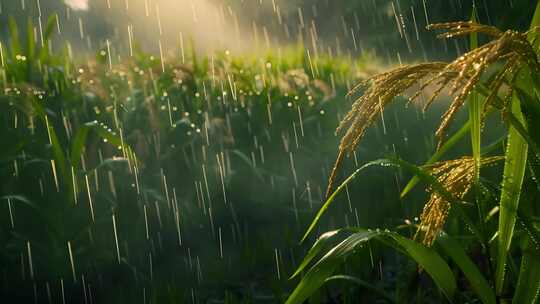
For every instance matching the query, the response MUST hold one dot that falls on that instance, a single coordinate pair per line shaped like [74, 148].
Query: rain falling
[269, 151]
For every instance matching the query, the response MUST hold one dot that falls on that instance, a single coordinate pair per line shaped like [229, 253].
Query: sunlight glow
[78, 5]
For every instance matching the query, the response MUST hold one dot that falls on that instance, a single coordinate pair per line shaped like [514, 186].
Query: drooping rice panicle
[461, 28]
[460, 77]
[456, 176]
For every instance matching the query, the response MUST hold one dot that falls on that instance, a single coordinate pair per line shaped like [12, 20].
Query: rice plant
[498, 76]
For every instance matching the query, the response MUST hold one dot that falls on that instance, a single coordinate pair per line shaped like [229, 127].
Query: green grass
[140, 141]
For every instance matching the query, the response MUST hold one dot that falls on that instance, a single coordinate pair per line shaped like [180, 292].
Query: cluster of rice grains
[508, 52]
[456, 176]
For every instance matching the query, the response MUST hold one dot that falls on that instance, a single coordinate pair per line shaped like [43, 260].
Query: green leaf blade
[514, 172]
[431, 262]
[477, 280]
[528, 285]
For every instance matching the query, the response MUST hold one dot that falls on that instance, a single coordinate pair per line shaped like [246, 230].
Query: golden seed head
[460, 77]
[456, 176]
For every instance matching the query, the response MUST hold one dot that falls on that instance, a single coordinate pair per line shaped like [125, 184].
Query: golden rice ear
[367, 108]
[456, 176]
[432, 220]
[510, 47]
[460, 76]
[383, 89]
[462, 28]
[333, 174]
[508, 71]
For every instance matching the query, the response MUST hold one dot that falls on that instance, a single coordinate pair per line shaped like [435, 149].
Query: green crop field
[202, 173]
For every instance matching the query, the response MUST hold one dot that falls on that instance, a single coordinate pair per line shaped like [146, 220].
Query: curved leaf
[478, 282]
[19, 198]
[112, 138]
[333, 196]
[47, 33]
[326, 266]
[422, 175]
[426, 257]
[247, 161]
[319, 245]
[528, 285]
[109, 162]
[431, 262]
[364, 284]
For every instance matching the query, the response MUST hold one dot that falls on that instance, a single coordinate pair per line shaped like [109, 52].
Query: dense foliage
[188, 178]
[162, 181]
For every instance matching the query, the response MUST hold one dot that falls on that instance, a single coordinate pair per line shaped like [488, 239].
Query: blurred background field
[176, 151]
